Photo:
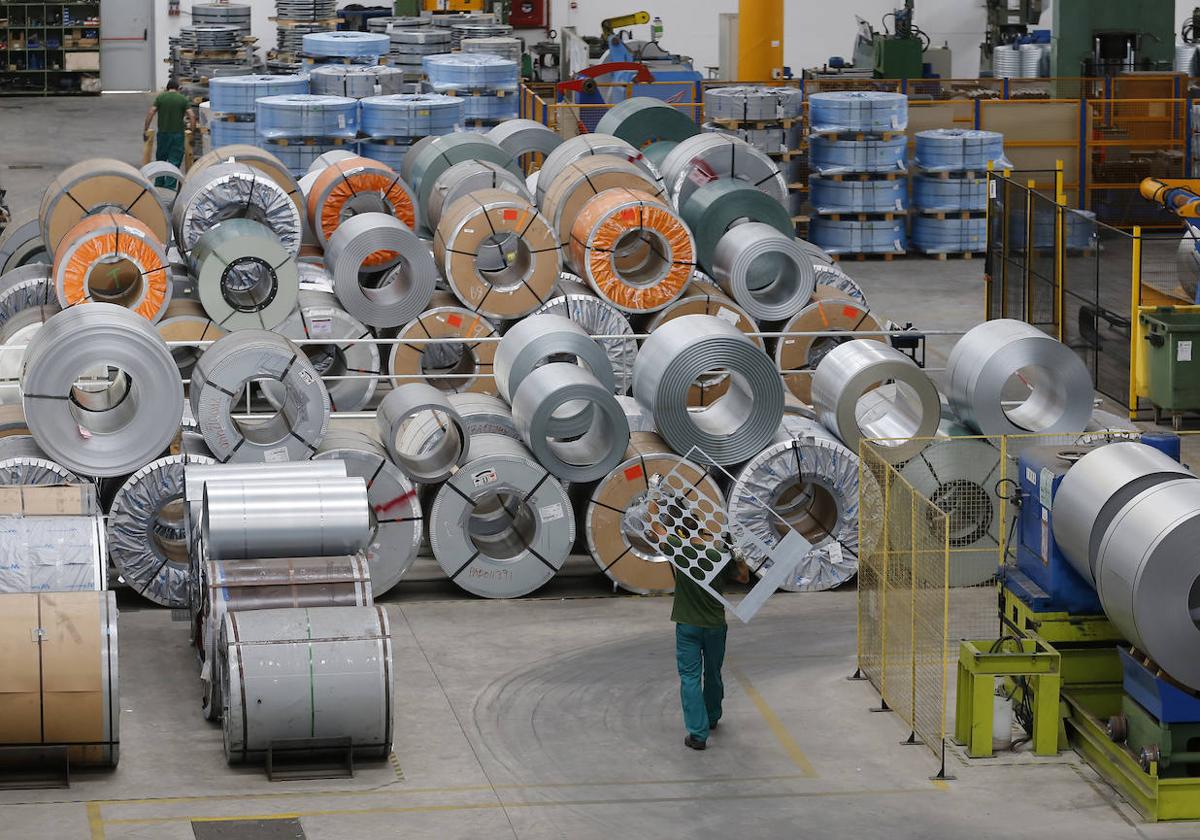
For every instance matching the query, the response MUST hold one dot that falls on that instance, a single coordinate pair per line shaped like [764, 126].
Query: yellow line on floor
[776, 725]
[95, 823]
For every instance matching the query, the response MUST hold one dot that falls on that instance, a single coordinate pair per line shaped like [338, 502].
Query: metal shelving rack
[39, 41]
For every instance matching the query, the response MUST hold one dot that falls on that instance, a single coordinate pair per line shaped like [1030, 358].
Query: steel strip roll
[391, 23]
[1185, 59]
[769, 140]
[657, 153]
[113, 259]
[28, 287]
[346, 44]
[157, 170]
[848, 372]
[991, 355]
[595, 452]
[958, 150]
[356, 82]
[318, 316]
[110, 431]
[466, 71]
[147, 533]
[577, 302]
[471, 360]
[303, 115]
[858, 111]
[227, 367]
[460, 32]
[539, 528]
[320, 165]
[874, 236]
[428, 160]
[765, 271]
[501, 45]
[797, 356]
[949, 195]
[498, 254]
[832, 155]
[719, 205]
[633, 250]
[237, 94]
[30, 470]
[577, 182]
[225, 191]
[736, 426]
[409, 115]
[100, 185]
[63, 690]
[707, 157]
[756, 103]
[21, 242]
[819, 256]
[1096, 489]
[642, 120]
[313, 672]
[829, 195]
[397, 411]
[587, 145]
[622, 554]
[467, 177]
[16, 332]
[1147, 576]
[409, 275]
[392, 154]
[948, 236]
[482, 414]
[245, 278]
[355, 186]
[258, 159]
[638, 418]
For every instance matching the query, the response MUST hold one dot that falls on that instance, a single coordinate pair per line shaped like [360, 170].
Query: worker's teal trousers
[699, 652]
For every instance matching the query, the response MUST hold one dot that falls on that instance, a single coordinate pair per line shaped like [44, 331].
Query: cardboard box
[83, 61]
[49, 500]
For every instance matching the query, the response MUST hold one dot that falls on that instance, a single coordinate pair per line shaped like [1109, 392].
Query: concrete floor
[558, 715]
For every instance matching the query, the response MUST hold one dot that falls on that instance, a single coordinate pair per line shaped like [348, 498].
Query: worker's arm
[191, 118]
[149, 116]
[741, 572]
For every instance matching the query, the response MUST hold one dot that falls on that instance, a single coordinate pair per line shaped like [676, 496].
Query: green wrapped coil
[656, 153]
[641, 121]
[717, 206]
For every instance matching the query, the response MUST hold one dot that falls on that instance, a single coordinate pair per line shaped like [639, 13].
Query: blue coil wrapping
[225, 133]
[831, 156]
[470, 71]
[1080, 228]
[237, 94]
[949, 195]
[959, 150]
[390, 153]
[878, 196]
[858, 111]
[347, 44]
[411, 115]
[297, 157]
[853, 237]
[489, 107]
[948, 236]
[307, 115]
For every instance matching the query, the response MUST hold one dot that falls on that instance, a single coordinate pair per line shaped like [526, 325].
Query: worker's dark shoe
[694, 743]
[713, 725]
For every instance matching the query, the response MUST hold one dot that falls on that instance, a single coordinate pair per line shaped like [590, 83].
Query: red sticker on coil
[851, 311]
[633, 473]
[454, 320]
[629, 214]
[510, 215]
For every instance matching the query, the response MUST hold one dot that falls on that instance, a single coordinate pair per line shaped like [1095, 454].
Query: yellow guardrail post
[912, 609]
[883, 587]
[1029, 249]
[987, 226]
[1135, 344]
[1060, 247]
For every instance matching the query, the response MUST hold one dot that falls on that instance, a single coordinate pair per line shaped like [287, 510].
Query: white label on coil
[341, 120]
[727, 314]
[1030, 475]
[279, 453]
[320, 327]
[484, 477]
[378, 89]
[1183, 351]
[389, 27]
[305, 377]
[774, 44]
[551, 512]
[991, 189]
[1045, 488]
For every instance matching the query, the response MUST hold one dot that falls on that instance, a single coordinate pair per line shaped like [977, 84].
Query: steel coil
[959, 150]
[320, 165]
[717, 206]
[501, 45]
[355, 186]
[587, 145]
[642, 120]
[577, 302]
[858, 111]
[832, 155]
[467, 177]
[245, 277]
[431, 157]
[657, 153]
[305, 115]
[28, 287]
[461, 32]
[259, 159]
[31, 470]
[949, 195]
[481, 414]
[448, 366]
[227, 367]
[113, 259]
[113, 426]
[874, 236]
[346, 44]
[831, 195]
[163, 170]
[577, 182]
[399, 407]
[1185, 59]
[21, 242]
[796, 357]
[736, 426]
[707, 157]
[993, 357]
[765, 271]
[753, 103]
[410, 115]
[522, 138]
[948, 236]
[226, 191]
[389, 23]
[17, 331]
[408, 277]
[236, 94]
[356, 82]
[467, 72]
[95, 186]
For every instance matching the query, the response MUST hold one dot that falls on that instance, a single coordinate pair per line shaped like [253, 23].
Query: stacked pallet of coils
[858, 186]
[217, 43]
[949, 189]
[392, 124]
[486, 83]
[412, 39]
[293, 20]
[298, 128]
[230, 110]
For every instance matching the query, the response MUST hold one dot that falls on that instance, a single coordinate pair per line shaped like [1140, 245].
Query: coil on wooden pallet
[576, 301]
[767, 272]
[405, 280]
[394, 421]
[100, 185]
[113, 259]
[467, 177]
[352, 186]
[577, 182]
[584, 146]
[246, 279]
[797, 357]
[442, 363]
[226, 191]
[21, 242]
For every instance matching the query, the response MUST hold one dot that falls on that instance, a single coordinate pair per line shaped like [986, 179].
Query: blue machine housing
[684, 78]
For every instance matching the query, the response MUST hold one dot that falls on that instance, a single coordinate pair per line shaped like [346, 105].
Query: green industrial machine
[407, 8]
[900, 53]
[1174, 385]
[1108, 37]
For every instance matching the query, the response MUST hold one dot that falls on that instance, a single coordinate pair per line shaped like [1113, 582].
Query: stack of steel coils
[501, 45]
[1185, 59]
[215, 45]
[231, 14]
[293, 20]
[410, 45]
[487, 83]
[393, 123]
[768, 118]
[366, 47]
[1006, 61]
[476, 29]
[231, 104]
[356, 81]
[299, 128]
[949, 188]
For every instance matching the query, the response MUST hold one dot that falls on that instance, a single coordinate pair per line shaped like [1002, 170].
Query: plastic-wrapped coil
[948, 195]
[396, 411]
[901, 423]
[356, 82]
[620, 551]
[318, 316]
[577, 182]
[228, 132]
[26, 287]
[186, 320]
[985, 362]
[346, 44]
[312, 672]
[320, 165]
[21, 242]
[16, 332]
[259, 159]
[1095, 490]
[246, 279]
[100, 185]
[813, 485]
[490, 108]
[227, 191]
[657, 153]
[874, 236]
[719, 205]
[390, 23]
[587, 145]
[26, 469]
[632, 249]
[352, 187]
[706, 157]
[408, 277]
[858, 111]
[736, 426]
[227, 367]
[128, 418]
[577, 302]
[411, 115]
[392, 154]
[471, 360]
[832, 155]
[539, 528]
[830, 195]
[958, 149]
[546, 391]
[796, 357]
[429, 158]
[236, 94]
[459, 71]
[948, 236]
[1080, 228]
[395, 512]
[758, 103]
[642, 120]
[498, 254]
[113, 259]
[501, 45]
[765, 271]
[302, 115]
[467, 177]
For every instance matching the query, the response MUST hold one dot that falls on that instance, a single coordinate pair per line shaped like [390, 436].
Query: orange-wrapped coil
[113, 258]
[357, 185]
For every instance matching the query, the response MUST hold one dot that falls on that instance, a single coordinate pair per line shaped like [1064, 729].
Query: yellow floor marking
[776, 725]
[95, 823]
[940, 785]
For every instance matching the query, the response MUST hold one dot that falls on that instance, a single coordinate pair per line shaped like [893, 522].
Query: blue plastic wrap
[490, 107]
[237, 94]
[1080, 228]
[853, 237]
[959, 150]
[307, 115]
[470, 71]
[411, 115]
[225, 133]
[949, 195]
[948, 236]
[297, 157]
[857, 111]
[830, 156]
[390, 153]
[346, 44]
[853, 196]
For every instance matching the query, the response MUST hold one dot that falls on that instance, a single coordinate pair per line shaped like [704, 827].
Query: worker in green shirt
[173, 108]
[700, 649]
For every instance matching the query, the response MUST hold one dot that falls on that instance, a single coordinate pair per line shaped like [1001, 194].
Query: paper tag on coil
[341, 120]
[275, 455]
[551, 512]
[727, 314]
[320, 327]
[483, 477]
[305, 376]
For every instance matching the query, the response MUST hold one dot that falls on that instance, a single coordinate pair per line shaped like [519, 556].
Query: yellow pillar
[760, 40]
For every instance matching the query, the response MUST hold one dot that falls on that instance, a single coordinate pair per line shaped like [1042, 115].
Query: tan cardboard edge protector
[590, 176]
[96, 186]
[447, 320]
[797, 356]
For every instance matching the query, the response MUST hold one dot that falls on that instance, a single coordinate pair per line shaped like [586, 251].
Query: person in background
[173, 109]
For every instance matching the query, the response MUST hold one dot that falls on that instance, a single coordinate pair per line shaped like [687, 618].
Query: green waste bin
[1173, 340]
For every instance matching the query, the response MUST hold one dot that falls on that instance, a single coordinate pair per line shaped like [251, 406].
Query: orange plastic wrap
[107, 240]
[368, 186]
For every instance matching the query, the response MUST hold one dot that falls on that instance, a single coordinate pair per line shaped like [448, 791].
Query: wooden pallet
[781, 122]
[785, 154]
[942, 256]
[289, 23]
[859, 136]
[890, 175]
[952, 214]
[885, 256]
[309, 141]
[869, 216]
[952, 175]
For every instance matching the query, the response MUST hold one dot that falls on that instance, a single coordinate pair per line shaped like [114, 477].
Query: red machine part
[585, 80]
[527, 14]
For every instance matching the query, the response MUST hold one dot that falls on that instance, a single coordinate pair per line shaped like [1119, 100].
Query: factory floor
[558, 715]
